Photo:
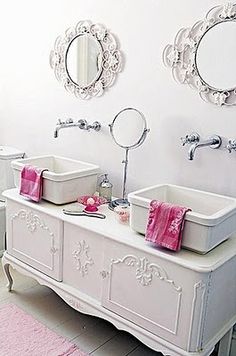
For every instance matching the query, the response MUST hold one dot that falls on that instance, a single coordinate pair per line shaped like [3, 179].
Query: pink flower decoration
[88, 199]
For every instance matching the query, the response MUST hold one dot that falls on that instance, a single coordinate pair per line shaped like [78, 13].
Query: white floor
[93, 335]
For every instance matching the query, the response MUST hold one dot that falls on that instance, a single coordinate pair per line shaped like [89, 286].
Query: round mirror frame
[181, 56]
[142, 136]
[111, 59]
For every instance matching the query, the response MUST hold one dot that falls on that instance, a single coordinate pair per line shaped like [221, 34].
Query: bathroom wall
[31, 100]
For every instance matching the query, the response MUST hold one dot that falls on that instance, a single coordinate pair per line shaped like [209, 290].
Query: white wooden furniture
[180, 304]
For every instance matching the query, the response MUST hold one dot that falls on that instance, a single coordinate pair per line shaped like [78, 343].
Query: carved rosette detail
[74, 303]
[82, 258]
[32, 220]
[180, 56]
[111, 59]
[146, 271]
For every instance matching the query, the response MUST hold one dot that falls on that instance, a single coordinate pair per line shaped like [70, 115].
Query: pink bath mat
[22, 335]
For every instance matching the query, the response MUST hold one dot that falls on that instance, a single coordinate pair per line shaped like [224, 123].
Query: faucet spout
[213, 142]
[58, 127]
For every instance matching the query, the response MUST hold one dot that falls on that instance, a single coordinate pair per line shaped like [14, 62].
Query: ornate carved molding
[32, 220]
[110, 65]
[181, 56]
[145, 271]
[76, 304]
[197, 308]
[82, 258]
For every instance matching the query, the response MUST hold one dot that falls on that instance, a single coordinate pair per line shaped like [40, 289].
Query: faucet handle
[69, 121]
[231, 145]
[60, 122]
[192, 138]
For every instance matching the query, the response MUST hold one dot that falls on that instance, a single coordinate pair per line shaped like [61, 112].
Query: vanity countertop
[113, 229]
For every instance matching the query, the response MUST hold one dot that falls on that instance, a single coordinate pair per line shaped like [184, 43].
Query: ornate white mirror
[204, 56]
[86, 60]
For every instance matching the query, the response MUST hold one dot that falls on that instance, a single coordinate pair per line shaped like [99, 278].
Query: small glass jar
[123, 213]
[105, 188]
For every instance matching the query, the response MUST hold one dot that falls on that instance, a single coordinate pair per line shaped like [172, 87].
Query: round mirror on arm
[128, 130]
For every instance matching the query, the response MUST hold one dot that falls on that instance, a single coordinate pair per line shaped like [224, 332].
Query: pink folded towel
[165, 224]
[32, 182]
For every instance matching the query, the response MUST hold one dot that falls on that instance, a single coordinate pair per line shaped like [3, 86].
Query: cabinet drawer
[83, 260]
[163, 298]
[35, 238]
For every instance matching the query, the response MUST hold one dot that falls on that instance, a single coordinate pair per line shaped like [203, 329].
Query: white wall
[31, 100]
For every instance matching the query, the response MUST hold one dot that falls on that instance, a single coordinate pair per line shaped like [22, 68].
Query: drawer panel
[35, 238]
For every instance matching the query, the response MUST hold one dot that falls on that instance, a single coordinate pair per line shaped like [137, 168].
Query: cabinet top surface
[113, 229]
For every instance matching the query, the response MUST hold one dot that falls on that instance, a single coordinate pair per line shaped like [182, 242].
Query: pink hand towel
[165, 224]
[32, 182]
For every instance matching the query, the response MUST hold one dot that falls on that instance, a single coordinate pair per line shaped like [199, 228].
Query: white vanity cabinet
[35, 238]
[180, 304]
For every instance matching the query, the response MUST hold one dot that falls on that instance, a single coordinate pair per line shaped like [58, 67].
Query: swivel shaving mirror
[203, 56]
[86, 60]
[128, 130]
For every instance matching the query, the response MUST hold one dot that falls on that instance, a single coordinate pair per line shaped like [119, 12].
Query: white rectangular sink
[211, 221]
[65, 180]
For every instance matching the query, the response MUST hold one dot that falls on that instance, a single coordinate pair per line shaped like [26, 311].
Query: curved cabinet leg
[8, 276]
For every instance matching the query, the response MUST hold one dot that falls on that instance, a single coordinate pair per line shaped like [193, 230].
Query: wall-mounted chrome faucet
[81, 124]
[194, 139]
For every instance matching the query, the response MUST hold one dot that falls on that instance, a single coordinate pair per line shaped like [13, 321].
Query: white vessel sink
[65, 179]
[211, 221]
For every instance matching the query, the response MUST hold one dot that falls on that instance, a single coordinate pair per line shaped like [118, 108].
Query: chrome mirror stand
[132, 143]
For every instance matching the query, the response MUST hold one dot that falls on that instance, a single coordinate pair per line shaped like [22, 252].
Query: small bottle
[105, 188]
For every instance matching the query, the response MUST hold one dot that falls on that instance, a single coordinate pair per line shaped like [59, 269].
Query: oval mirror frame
[139, 138]
[181, 57]
[111, 59]
[81, 72]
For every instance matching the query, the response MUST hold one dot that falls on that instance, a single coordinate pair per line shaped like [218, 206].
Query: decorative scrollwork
[110, 64]
[145, 271]
[181, 56]
[82, 258]
[33, 221]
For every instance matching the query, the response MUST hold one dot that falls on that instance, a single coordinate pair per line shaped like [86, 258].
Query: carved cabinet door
[35, 238]
[161, 297]
[82, 260]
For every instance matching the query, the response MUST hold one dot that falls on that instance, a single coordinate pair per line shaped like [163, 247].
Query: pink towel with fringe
[165, 224]
[32, 182]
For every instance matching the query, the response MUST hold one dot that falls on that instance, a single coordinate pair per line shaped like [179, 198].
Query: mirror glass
[128, 127]
[215, 56]
[84, 60]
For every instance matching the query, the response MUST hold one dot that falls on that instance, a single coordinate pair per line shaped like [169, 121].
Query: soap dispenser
[105, 188]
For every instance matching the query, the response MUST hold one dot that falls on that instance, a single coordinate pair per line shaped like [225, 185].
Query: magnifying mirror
[128, 130]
